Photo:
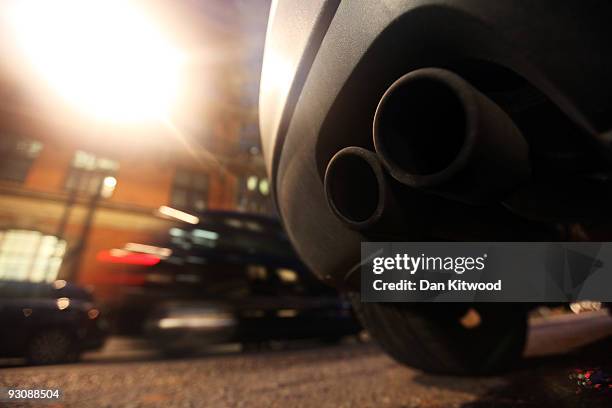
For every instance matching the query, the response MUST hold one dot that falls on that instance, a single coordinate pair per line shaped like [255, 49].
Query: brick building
[70, 188]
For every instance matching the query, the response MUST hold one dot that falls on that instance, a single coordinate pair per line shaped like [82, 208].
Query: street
[352, 374]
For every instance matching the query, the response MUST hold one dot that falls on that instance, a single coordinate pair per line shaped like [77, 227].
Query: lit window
[253, 195]
[92, 175]
[264, 187]
[30, 256]
[252, 183]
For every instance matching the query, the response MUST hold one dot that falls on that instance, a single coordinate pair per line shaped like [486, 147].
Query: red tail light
[125, 257]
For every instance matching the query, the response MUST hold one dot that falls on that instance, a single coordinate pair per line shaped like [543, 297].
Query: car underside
[465, 120]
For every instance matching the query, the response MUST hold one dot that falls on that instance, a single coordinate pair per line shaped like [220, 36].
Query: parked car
[48, 322]
[232, 277]
[437, 121]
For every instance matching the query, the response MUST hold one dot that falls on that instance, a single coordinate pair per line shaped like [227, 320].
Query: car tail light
[126, 257]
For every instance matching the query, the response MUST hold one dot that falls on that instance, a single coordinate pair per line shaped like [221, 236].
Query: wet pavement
[352, 374]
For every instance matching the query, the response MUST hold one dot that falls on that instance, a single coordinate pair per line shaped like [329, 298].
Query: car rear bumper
[366, 46]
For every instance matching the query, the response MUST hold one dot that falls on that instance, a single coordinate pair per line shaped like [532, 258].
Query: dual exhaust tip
[433, 133]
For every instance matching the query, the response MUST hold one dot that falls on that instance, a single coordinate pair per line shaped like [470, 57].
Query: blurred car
[231, 277]
[48, 323]
[180, 328]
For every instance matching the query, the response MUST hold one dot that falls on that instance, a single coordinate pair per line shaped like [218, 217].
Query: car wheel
[51, 347]
[448, 338]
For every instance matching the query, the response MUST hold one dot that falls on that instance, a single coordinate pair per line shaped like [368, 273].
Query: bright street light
[109, 59]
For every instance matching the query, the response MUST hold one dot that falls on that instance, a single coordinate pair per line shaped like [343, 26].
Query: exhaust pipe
[435, 131]
[359, 192]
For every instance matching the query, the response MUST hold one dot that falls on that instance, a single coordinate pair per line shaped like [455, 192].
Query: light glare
[148, 249]
[178, 214]
[205, 321]
[105, 58]
[63, 303]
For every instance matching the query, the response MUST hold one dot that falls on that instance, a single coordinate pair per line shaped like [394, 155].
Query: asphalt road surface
[346, 375]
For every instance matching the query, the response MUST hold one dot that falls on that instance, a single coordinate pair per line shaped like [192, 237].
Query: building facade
[70, 189]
